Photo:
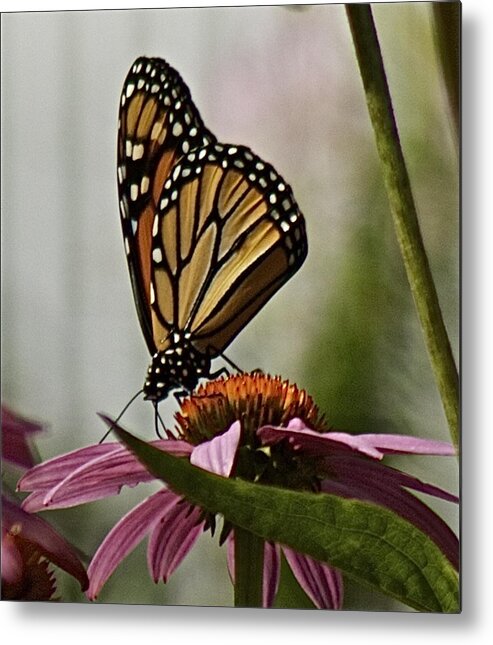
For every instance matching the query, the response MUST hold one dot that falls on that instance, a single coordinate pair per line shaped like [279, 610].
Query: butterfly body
[180, 366]
[211, 230]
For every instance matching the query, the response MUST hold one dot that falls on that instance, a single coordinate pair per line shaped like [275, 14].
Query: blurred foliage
[344, 366]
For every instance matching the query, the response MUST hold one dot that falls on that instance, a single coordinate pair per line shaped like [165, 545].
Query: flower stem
[249, 566]
[446, 22]
[404, 210]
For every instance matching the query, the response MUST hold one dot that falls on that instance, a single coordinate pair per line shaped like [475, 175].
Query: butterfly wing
[158, 124]
[226, 236]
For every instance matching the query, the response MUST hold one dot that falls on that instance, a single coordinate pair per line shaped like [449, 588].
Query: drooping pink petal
[272, 569]
[321, 583]
[371, 445]
[89, 474]
[16, 432]
[12, 563]
[48, 474]
[349, 467]
[53, 546]
[364, 480]
[218, 455]
[313, 443]
[272, 572]
[408, 445]
[125, 536]
[172, 537]
[230, 555]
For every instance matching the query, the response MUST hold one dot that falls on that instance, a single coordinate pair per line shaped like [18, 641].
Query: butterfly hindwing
[226, 236]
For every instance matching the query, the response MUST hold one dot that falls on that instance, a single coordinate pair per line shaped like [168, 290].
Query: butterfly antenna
[120, 415]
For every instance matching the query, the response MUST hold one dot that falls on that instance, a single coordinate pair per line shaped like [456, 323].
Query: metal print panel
[230, 307]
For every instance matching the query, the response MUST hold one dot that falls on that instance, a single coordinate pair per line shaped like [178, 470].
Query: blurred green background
[285, 82]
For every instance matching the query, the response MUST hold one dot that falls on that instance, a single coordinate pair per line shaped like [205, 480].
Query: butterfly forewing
[158, 124]
[211, 231]
[228, 234]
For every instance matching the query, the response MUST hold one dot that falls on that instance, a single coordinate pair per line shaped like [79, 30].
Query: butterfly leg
[220, 372]
[223, 370]
[181, 394]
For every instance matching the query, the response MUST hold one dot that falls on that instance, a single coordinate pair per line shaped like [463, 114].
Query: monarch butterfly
[211, 231]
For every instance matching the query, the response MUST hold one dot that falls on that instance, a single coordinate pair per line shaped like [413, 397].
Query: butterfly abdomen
[179, 366]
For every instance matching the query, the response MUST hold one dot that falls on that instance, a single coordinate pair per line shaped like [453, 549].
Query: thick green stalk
[249, 565]
[404, 210]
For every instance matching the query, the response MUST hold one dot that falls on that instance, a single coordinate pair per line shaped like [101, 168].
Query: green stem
[249, 566]
[446, 20]
[404, 210]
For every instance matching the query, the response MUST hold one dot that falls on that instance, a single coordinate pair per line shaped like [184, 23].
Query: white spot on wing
[134, 192]
[155, 226]
[138, 151]
[157, 255]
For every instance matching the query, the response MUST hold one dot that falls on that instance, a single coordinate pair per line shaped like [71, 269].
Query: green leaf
[365, 541]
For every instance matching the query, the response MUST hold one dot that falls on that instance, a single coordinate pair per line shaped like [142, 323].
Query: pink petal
[366, 480]
[16, 431]
[12, 421]
[317, 443]
[218, 455]
[37, 531]
[371, 445]
[125, 536]
[230, 555]
[46, 475]
[12, 563]
[297, 424]
[272, 569]
[89, 474]
[322, 584]
[272, 572]
[172, 537]
[407, 445]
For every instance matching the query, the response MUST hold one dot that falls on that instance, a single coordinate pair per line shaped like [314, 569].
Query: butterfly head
[179, 366]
